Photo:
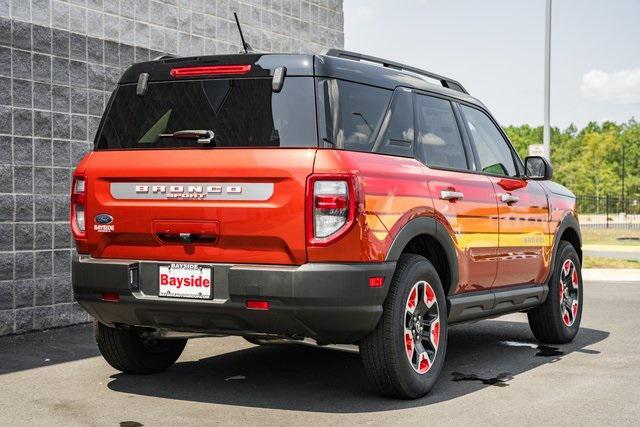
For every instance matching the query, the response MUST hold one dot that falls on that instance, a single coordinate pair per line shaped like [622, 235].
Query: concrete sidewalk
[612, 251]
[612, 248]
[611, 274]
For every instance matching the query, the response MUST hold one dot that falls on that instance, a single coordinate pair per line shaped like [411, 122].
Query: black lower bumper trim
[331, 303]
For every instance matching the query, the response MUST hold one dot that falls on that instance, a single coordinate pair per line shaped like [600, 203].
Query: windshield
[239, 113]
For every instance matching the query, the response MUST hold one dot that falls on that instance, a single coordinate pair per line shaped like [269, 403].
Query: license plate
[185, 281]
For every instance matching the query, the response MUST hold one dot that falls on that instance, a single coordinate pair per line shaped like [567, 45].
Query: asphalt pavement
[496, 373]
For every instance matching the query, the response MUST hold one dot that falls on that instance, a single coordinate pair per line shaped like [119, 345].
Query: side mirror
[538, 168]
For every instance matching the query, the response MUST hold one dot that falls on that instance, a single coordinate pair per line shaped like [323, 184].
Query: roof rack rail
[445, 81]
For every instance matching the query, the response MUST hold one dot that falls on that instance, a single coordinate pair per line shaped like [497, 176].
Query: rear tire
[404, 355]
[557, 320]
[126, 350]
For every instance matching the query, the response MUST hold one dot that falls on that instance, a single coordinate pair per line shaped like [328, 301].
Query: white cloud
[619, 87]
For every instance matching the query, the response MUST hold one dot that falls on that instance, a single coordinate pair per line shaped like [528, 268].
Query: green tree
[589, 160]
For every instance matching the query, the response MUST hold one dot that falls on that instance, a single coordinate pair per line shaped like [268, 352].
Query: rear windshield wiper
[203, 136]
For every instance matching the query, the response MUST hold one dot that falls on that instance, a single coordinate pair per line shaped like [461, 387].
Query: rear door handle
[451, 195]
[509, 198]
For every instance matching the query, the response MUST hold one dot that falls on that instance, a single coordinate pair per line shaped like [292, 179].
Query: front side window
[439, 142]
[350, 114]
[239, 112]
[493, 151]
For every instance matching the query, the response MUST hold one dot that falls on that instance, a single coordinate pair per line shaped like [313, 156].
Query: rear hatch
[231, 189]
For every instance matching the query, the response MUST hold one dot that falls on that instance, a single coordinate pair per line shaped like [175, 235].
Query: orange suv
[338, 197]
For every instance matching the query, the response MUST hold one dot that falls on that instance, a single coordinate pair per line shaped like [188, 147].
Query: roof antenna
[247, 48]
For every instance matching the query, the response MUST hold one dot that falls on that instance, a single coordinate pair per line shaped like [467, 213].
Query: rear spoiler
[261, 65]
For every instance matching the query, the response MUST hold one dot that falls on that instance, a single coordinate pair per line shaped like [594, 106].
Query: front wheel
[557, 320]
[129, 351]
[404, 355]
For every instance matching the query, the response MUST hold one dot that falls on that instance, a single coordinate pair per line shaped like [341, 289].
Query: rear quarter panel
[392, 191]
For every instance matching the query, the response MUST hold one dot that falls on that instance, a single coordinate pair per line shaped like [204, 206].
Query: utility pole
[546, 136]
[623, 207]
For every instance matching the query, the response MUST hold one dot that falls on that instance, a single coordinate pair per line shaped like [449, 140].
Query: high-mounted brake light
[331, 207]
[210, 70]
[78, 206]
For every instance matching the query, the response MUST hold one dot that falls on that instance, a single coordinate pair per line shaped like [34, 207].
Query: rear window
[239, 112]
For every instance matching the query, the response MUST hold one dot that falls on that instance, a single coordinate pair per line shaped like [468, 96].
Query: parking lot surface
[495, 373]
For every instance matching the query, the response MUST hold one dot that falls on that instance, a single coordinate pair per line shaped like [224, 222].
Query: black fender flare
[568, 222]
[431, 227]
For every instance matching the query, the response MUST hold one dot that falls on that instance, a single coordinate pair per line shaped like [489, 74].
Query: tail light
[78, 207]
[331, 207]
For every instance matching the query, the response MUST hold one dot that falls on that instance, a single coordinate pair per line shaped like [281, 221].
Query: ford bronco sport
[337, 197]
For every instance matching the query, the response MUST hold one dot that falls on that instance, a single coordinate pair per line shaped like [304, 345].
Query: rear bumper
[331, 303]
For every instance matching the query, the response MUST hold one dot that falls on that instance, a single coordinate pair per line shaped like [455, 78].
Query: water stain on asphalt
[499, 380]
[543, 350]
[130, 424]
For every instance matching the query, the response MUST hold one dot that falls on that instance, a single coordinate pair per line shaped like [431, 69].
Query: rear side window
[439, 142]
[350, 114]
[399, 134]
[239, 112]
[494, 152]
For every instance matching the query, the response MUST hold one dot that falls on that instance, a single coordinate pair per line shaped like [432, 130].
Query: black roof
[443, 81]
[334, 63]
[387, 74]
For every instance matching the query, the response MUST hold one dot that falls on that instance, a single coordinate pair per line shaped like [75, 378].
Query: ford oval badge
[104, 219]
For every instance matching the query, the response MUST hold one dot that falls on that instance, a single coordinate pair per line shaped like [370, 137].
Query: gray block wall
[59, 61]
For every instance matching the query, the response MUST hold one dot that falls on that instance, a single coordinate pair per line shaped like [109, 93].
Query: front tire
[557, 320]
[126, 350]
[404, 355]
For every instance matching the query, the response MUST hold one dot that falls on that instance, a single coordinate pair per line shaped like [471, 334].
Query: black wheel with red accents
[421, 326]
[569, 292]
[404, 355]
[557, 321]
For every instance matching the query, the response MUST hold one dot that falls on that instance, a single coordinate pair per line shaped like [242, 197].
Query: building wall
[59, 61]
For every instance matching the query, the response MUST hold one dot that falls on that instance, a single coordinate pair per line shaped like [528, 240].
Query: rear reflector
[110, 296]
[210, 70]
[258, 305]
[376, 282]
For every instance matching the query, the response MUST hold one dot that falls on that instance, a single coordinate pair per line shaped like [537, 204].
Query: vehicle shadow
[303, 378]
[46, 348]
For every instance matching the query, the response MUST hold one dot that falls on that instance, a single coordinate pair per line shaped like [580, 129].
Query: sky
[495, 48]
